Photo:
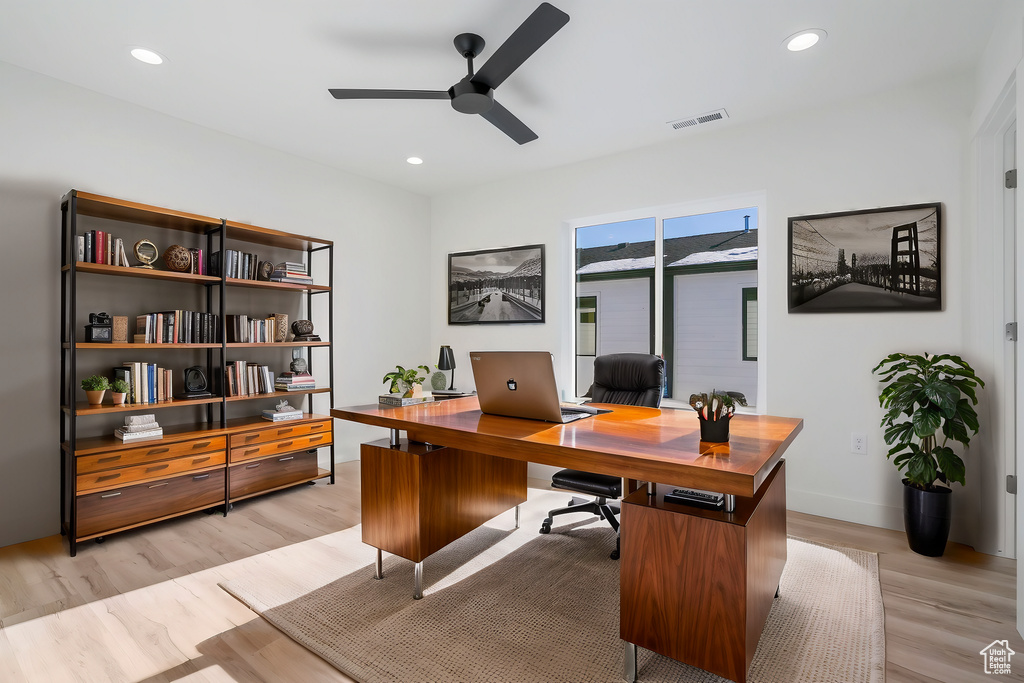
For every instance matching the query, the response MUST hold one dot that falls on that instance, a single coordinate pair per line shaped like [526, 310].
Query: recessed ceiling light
[415, 161]
[147, 56]
[804, 39]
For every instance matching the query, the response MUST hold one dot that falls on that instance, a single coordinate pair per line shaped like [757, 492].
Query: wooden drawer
[152, 452]
[300, 443]
[281, 431]
[270, 473]
[100, 512]
[157, 470]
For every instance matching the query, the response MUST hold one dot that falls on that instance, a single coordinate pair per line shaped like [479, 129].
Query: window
[681, 285]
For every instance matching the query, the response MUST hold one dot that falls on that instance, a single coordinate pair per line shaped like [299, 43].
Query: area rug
[511, 605]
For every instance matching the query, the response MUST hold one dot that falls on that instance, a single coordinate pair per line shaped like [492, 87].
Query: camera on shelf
[99, 328]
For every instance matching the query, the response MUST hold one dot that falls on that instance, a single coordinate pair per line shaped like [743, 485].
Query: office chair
[634, 379]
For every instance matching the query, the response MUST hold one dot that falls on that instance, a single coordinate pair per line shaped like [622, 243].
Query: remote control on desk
[704, 499]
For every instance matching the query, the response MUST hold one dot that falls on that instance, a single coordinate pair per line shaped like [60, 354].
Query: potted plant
[714, 410]
[408, 383]
[95, 387]
[929, 403]
[118, 391]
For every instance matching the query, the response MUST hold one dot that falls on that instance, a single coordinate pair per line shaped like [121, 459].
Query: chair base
[600, 507]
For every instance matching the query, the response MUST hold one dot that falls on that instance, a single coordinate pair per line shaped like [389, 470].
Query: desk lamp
[446, 361]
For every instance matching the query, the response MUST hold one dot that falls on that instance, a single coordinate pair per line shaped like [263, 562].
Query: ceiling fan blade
[358, 94]
[545, 22]
[508, 124]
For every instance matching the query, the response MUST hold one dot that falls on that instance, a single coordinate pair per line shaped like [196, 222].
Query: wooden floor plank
[145, 606]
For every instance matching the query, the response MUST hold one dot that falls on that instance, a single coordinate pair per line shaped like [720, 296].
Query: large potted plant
[929, 403]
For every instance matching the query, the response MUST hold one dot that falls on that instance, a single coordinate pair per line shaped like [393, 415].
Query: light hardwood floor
[145, 606]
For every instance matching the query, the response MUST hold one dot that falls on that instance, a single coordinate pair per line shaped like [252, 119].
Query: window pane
[615, 271]
[710, 259]
[586, 326]
[750, 324]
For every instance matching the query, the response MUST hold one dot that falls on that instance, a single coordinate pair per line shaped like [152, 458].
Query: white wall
[902, 147]
[57, 137]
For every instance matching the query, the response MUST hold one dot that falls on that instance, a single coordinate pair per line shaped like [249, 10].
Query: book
[125, 436]
[396, 400]
[80, 247]
[277, 416]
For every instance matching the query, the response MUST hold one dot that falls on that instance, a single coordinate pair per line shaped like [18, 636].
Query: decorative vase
[714, 431]
[280, 327]
[118, 398]
[926, 517]
[178, 258]
[95, 397]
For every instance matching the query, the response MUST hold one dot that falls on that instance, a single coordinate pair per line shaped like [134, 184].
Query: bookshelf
[214, 450]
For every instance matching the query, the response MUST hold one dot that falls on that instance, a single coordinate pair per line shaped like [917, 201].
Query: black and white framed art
[496, 286]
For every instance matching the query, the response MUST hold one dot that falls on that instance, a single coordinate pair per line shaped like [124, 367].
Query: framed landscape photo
[873, 260]
[496, 286]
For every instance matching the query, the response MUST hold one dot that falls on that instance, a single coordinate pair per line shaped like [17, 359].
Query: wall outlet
[858, 443]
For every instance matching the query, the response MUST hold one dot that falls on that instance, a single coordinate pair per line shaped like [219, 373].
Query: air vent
[710, 116]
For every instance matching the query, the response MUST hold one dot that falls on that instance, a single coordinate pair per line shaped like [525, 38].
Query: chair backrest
[634, 379]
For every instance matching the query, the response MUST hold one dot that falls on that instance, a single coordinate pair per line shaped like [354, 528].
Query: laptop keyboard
[576, 413]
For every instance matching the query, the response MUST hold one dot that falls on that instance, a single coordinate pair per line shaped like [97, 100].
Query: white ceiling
[607, 82]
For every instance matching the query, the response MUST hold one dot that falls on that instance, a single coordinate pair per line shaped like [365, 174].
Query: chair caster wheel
[100, 539]
[615, 554]
[545, 527]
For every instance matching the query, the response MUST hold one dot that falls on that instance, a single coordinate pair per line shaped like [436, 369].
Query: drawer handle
[255, 464]
[290, 457]
[201, 445]
[284, 431]
[111, 458]
[252, 436]
[163, 483]
[157, 451]
[196, 461]
[110, 495]
[105, 477]
[316, 438]
[285, 444]
[251, 451]
[155, 468]
[200, 476]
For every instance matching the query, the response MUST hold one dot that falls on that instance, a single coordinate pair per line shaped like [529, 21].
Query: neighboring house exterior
[710, 309]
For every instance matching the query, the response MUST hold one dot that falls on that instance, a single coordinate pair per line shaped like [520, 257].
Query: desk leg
[730, 502]
[629, 662]
[378, 570]
[417, 581]
[517, 516]
[394, 438]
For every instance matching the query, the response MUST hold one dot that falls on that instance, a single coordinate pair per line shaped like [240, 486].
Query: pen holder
[714, 431]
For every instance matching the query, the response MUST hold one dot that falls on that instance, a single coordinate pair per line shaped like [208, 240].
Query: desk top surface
[649, 444]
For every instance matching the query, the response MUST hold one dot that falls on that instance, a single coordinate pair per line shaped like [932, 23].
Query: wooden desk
[660, 610]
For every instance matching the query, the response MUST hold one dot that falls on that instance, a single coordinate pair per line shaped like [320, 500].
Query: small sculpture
[303, 330]
[283, 407]
[146, 252]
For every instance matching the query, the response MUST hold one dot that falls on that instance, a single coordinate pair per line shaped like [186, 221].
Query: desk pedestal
[697, 585]
[416, 499]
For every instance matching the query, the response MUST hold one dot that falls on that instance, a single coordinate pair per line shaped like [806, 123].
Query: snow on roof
[706, 257]
[617, 265]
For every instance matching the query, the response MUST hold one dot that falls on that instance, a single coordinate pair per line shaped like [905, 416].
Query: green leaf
[956, 430]
[943, 394]
[921, 469]
[926, 422]
[950, 464]
[899, 432]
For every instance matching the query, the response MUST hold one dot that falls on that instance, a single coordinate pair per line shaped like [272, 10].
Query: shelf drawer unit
[119, 509]
[204, 460]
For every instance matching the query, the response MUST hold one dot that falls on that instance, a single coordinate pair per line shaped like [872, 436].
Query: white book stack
[139, 428]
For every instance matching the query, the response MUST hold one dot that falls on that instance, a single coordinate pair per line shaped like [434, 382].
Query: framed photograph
[496, 286]
[873, 260]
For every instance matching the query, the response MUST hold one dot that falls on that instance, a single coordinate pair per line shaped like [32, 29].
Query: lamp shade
[446, 361]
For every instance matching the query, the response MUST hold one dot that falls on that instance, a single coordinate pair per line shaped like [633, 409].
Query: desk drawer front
[283, 431]
[269, 473]
[99, 512]
[155, 470]
[153, 452]
[300, 443]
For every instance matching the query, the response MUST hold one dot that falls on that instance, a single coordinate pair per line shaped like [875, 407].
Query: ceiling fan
[474, 94]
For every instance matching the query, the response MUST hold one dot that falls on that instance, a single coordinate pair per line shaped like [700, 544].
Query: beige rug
[505, 605]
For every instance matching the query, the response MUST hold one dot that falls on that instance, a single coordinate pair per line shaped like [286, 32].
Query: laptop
[522, 384]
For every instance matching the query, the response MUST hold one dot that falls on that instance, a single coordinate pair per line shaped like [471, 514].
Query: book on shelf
[279, 416]
[293, 266]
[121, 434]
[396, 400]
[245, 378]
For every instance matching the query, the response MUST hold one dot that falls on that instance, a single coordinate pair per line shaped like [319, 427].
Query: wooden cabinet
[697, 585]
[207, 457]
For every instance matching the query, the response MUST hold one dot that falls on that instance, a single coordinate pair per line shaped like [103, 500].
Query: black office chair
[634, 379]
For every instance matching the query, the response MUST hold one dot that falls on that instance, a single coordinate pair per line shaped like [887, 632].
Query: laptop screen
[516, 384]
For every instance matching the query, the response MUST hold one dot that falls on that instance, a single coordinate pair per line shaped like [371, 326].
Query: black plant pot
[715, 431]
[926, 516]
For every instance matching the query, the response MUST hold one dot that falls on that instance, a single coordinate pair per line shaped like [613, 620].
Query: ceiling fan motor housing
[470, 97]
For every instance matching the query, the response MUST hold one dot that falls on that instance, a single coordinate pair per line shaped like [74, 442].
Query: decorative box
[120, 329]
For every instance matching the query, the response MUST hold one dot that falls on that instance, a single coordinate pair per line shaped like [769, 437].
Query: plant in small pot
[408, 383]
[95, 387]
[714, 411]
[929, 402]
[118, 391]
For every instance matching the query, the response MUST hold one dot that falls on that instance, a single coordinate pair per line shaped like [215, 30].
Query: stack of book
[147, 383]
[245, 378]
[236, 264]
[295, 381]
[244, 329]
[291, 271]
[176, 327]
[399, 400]
[139, 428]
